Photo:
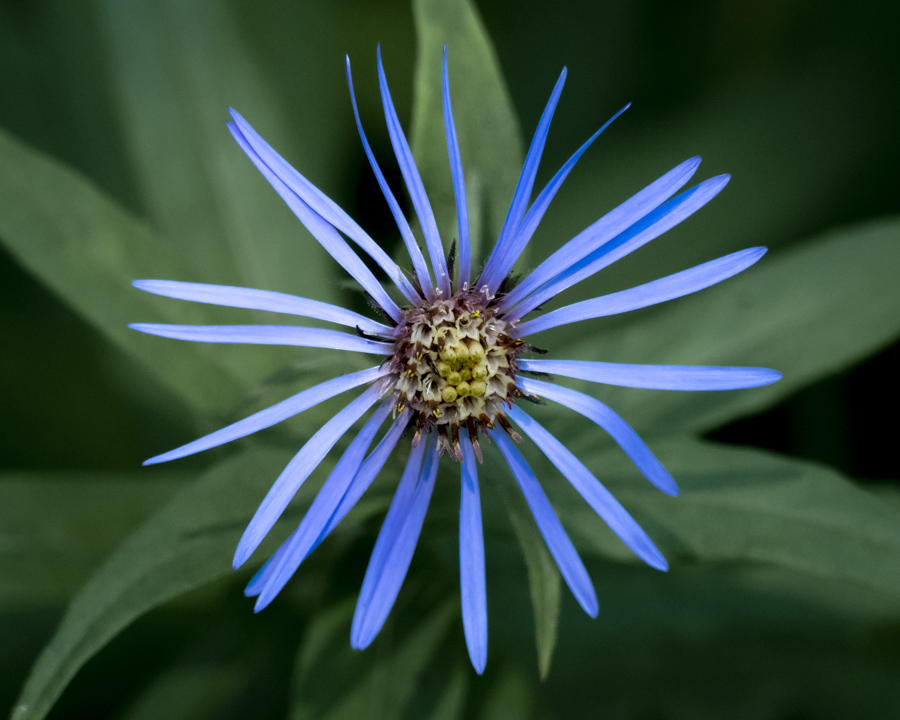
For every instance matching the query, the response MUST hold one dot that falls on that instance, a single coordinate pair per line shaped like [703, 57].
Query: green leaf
[510, 697]
[336, 682]
[87, 250]
[187, 544]
[710, 661]
[189, 692]
[451, 705]
[57, 527]
[489, 137]
[742, 504]
[808, 312]
[543, 574]
[176, 68]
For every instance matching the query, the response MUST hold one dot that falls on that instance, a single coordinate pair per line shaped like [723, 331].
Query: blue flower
[452, 367]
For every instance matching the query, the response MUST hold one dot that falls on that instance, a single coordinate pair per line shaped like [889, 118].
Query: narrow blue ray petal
[323, 205]
[409, 240]
[267, 335]
[653, 225]
[300, 468]
[473, 589]
[536, 212]
[651, 293]
[557, 540]
[491, 275]
[368, 472]
[255, 585]
[656, 377]
[359, 483]
[459, 185]
[414, 185]
[597, 496]
[304, 538]
[607, 227]
[618, 429]
[274, 414]
[393, 551]
[322, 231]
[267, 300]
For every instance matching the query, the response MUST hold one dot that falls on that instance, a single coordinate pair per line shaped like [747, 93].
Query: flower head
[453, 365]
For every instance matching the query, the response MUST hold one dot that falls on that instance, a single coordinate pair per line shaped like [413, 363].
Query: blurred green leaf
[88, 250]
[543, 574]
[189, 692]
[740, 670]
[336, 682]
[489, 137]
[177, 67]
[451, 704]
[807, 312]
[187, 544]
[57, 527]
[741, 504]
[510, 697]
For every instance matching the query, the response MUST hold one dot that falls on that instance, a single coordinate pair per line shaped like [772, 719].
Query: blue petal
[597, 496]
[322, 231]
[305, 537]
[561, 547]
[613, 223]
[267, 335]
[536, 212]
[459, 185]
[471, 561]
[491, 275]
[653, 225]
[253, 299]
[414, 185]
[323, 205]
[395, 546]
[368, 471]
[359, 483]
[618, 429]
[651, 293]
[300, 468]
[275, 414]
[409, 240]
[656, 377]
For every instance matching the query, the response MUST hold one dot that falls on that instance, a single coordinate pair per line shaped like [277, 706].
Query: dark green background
[799, 101]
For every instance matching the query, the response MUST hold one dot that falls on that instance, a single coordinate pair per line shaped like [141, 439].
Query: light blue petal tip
[480, 662]
[261, 604]
[240, 556]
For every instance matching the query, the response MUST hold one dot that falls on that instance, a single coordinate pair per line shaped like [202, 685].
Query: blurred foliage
[117, 597]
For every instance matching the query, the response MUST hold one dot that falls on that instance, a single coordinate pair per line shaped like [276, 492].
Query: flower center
[455, 365]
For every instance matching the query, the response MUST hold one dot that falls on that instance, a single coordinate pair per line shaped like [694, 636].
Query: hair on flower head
[451, 359]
